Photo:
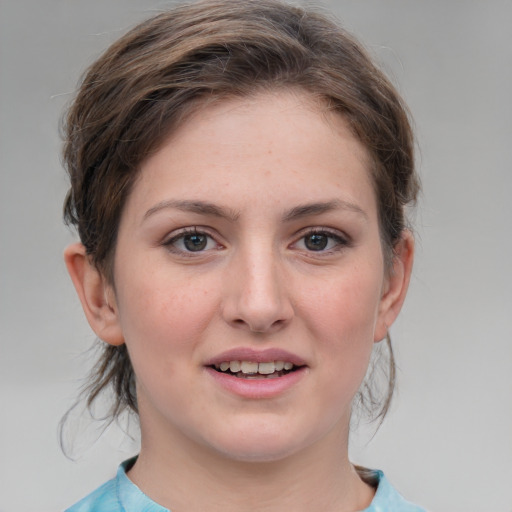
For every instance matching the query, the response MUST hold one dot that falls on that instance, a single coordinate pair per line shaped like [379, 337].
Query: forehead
[284, 145]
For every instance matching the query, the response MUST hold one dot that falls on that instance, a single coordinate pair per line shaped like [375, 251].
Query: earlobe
[96, 295]
[397, 283]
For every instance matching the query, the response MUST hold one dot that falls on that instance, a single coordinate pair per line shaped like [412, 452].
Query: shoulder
[118, 495]
[388, 499]
[103, 499]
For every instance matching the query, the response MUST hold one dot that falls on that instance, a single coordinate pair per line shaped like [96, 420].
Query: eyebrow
[298, 212]
[200, 207]
[306, 210]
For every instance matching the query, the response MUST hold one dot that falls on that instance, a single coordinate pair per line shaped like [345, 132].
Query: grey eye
[190, 242]
[321, 242]
[316, 241]
[195, 242]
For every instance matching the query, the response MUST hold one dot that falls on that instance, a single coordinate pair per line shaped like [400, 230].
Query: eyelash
[170, 243]
[340, 241]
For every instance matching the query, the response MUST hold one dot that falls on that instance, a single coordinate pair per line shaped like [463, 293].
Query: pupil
[195, 242]
[316, 242]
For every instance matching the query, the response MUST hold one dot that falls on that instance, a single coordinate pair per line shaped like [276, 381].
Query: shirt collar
[131, 498]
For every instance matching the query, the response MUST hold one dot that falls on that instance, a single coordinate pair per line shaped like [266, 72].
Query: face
[249, 279]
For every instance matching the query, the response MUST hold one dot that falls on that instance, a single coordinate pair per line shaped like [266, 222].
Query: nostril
[256, 327]
[257, 310]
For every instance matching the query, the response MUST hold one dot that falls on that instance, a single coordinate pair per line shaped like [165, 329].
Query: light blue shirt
[121, 495]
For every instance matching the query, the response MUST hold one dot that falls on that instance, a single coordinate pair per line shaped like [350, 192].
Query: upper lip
[256, 356]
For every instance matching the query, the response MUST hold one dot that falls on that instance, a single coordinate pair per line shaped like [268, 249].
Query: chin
[260, 443]
[258, 454]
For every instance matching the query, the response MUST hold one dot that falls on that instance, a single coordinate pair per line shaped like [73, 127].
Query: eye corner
[191, 242]
[321, 241]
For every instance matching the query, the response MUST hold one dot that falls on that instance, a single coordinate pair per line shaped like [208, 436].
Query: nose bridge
[258, 297]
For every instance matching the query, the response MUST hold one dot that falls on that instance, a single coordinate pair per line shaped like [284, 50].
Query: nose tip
[260, 322]
[258, 301]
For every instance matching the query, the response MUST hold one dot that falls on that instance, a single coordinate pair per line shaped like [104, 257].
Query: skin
[257, 284]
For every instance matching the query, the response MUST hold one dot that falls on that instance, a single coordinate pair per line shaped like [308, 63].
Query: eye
[191, 240]
[321, 241]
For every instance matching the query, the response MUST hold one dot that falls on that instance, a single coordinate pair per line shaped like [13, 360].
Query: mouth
[255, 370]
[257, 374]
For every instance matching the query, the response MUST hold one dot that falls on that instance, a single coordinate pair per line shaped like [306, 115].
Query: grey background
[447, 442]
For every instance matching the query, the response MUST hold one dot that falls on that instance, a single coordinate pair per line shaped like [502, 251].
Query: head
[167, 70]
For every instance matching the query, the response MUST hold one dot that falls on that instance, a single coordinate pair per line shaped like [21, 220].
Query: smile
[256, 370]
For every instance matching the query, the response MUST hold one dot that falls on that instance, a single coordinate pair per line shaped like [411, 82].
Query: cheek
[341, 316]
[164, 319]
[346, 303]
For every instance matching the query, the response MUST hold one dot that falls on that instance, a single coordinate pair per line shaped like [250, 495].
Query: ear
[96, 295]
[395, 284]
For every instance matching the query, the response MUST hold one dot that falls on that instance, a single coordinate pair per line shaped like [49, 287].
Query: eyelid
[178, 234]
[343, 240]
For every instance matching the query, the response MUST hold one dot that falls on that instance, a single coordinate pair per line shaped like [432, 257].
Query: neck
[183, 476]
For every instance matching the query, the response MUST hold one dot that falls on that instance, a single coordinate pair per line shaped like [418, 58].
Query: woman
[239, 174]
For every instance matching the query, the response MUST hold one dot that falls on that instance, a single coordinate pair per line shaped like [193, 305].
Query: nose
[256, 293]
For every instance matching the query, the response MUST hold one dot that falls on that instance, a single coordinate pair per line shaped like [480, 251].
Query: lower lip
[257, 388]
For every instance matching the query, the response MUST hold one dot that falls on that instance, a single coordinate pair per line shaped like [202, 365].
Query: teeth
[266, 368]
[253, 368]
[249, 367]
[235, 366]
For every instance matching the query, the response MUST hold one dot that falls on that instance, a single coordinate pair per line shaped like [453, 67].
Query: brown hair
[169, 66]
